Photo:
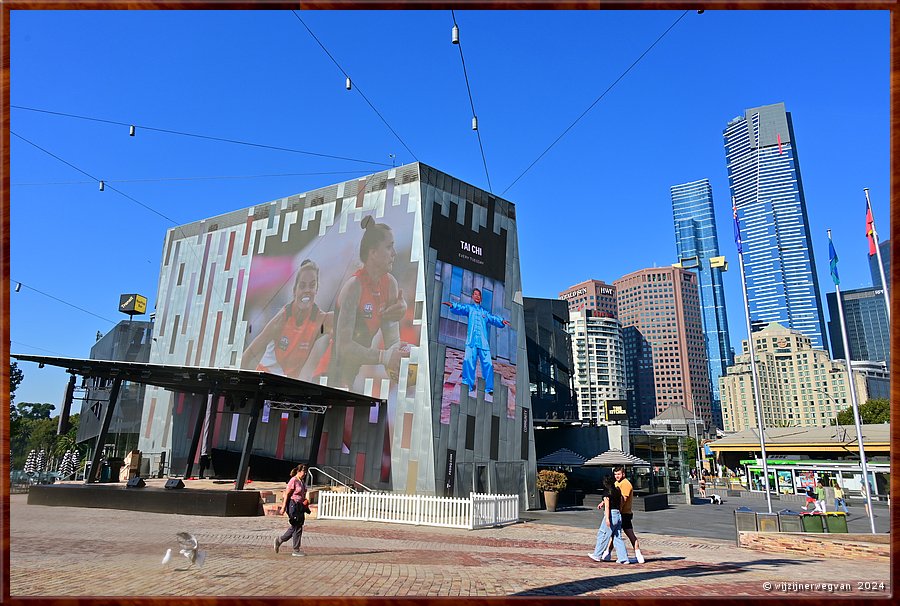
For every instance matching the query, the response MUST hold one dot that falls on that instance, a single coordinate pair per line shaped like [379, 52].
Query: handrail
[334, 479]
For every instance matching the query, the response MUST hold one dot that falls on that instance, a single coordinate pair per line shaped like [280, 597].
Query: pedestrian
[296, 506]
[839, 502]
[703, 487]
[610, 526]
[820, 496]
[810, 497]
[627, 513]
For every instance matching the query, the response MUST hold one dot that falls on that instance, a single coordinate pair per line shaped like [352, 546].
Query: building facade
[598, 354]
[591, 294]
[665, 349]
[866, 321]
[402, 285]
[549, 360]
[800, 386]
[697, 246]
[779, 265]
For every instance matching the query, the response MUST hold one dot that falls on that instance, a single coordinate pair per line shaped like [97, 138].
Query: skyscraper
[885, 247]
[599, 360]
[698, 251]
[865, 319]
[764, 178]
[665, 357]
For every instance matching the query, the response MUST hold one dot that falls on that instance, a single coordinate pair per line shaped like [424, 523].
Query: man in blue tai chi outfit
[477, 346]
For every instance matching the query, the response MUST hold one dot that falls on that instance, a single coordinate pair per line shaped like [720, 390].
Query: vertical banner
[525, 423]
[450, 473]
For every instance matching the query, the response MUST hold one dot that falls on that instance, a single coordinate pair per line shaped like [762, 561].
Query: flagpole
[884, 284]
[753, 372]
[853, 401]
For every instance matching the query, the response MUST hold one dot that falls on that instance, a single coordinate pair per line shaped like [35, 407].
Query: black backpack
[811, 492]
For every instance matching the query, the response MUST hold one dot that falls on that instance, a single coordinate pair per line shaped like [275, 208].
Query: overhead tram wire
[179, 228]
[40, 292]
[198, 136]
[356, 86]
[212, 178]
[471, 101]
[597, 100]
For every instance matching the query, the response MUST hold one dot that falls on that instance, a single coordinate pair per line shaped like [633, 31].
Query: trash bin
[104, 472]
[115, 468]
[767, 522]
[812, 522]
[789, 521]
[744, 520]
[836, 521]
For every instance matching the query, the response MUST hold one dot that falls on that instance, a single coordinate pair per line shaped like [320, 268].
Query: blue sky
[596, 205]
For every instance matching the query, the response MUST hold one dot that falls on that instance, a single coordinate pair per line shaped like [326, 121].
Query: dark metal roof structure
[197, 379]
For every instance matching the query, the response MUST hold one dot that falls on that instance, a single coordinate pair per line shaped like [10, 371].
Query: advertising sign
[617, 410]
[481, 251]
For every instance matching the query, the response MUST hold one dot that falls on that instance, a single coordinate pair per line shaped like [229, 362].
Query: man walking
[477, 347]
[627, 516]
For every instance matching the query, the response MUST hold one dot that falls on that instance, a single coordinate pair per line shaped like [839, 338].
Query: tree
[873, 412]
[15, 378]
[29, 410]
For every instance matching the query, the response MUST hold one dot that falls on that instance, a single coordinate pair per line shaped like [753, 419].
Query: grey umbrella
[614, 457]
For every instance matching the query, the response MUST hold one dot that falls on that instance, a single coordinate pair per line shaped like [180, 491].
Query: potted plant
[551, 482]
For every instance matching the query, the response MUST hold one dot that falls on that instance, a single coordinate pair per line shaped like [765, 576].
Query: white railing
[478, 511]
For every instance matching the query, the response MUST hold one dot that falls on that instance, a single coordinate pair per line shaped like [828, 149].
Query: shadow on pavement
[695, 570]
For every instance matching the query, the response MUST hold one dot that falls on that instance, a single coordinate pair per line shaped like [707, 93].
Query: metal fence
[478, 511]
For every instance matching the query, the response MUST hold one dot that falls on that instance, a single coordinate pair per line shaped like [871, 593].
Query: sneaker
[277, 544]
[639, 556]
[623, 562]
[593, 557]
[606, 557]
[298, 554]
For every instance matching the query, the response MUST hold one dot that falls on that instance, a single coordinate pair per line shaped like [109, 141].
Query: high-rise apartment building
[591, 294]
[698, 251]
[779, 265]
[665, 350]
[599, 357]
[865, 319]
[800, 386]
[885, 247]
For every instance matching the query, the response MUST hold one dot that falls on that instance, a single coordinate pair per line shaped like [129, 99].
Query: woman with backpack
[296, 505]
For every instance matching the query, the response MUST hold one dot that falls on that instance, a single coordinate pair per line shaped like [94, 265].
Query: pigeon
[189, 550]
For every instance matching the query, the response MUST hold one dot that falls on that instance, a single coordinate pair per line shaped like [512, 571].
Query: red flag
[870, 229]
[779, 144]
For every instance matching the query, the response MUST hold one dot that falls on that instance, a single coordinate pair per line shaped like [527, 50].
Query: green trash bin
[836, 521]
[812, 522]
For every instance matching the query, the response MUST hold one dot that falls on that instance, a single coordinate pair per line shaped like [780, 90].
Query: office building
[697, 247]
[779, 264]
[800, 386]
[549, 360]
[599, 356]
[665, 350]
[865, 318]
[591, 294]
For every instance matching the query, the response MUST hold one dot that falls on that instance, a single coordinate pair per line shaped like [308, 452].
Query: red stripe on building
[220, 409]
[205, 259]
[150, 418]
[360, 473]
[231, 237]
[209, 289]
[323, 447]
[247, 232]
[215, 342]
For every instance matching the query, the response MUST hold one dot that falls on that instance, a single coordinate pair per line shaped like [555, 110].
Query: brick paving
[69, 551]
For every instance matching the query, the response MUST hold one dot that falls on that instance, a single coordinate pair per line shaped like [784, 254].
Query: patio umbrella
[562, 458]
[614, 457]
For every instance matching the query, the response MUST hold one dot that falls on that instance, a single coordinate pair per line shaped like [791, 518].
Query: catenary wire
[356, 86]
[597, 100]
[40, 292]
[36, 347]
[472, 103]
[210, 178]
[198, 136]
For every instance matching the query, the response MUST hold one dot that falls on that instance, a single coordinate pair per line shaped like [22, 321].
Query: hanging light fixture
[131, 130]
[474, 123]
[349, 84]
[101, 185]
[454, 35]
[18, 286]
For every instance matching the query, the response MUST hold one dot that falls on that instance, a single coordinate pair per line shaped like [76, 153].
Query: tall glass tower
[779, 266]
[698, 251]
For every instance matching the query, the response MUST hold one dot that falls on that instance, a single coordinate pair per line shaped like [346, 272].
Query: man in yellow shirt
[627, 516]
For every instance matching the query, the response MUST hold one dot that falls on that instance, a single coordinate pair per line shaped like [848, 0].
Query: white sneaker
[639, 556]
[298, 554]
[606, 557]
[624, 562]
[593, 557]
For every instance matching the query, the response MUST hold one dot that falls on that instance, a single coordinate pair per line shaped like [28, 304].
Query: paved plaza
[70, 551]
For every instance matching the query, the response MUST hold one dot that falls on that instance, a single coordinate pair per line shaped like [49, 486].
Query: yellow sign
[140, 304]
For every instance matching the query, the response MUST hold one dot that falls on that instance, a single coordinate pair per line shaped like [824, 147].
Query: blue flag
[737, 230]
[833, 261]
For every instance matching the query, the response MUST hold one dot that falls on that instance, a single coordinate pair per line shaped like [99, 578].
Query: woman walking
[296, 506]
[611, 525]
